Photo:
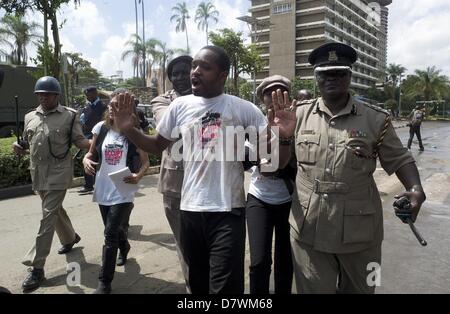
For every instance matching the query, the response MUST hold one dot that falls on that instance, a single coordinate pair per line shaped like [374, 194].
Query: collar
[95, 102]
[58, 108]
[349, 109]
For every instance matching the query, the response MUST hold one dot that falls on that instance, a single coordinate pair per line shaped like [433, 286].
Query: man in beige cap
[337, 222]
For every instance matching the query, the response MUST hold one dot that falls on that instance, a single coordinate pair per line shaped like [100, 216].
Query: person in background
[171, 175]
[415, 122]
[90, 115]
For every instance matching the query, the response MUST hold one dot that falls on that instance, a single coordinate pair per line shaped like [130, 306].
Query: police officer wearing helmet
[49, 132]
[172, 173]
[337, 218]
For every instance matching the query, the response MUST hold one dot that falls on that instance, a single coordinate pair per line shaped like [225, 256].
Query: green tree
[161, 54]
[243, 59]
[427, 84]
[299, 84]
[49, 9]
[206, 11]
[17, 34]
[135, 50]
[180, 16]
[394, 72]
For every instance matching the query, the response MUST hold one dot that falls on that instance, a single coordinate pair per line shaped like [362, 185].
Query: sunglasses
[338, 74]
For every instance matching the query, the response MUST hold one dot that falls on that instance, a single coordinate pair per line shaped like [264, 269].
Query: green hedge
[14, 170]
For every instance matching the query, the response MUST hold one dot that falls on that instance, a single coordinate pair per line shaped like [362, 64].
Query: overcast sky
[419, 33]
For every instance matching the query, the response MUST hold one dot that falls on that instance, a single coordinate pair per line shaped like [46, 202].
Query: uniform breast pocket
[307, 148]
[359, 222]
[357, 153]
[58, 142]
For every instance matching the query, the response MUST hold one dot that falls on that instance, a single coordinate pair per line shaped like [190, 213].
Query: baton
[416, 232]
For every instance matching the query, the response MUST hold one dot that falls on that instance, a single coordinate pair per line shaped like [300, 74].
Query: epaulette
[70, 109]
[306, 102]
[376, 108]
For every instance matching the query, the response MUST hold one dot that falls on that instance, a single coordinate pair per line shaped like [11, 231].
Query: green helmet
[47, 84]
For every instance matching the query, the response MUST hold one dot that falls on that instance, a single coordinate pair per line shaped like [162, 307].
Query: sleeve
[168, 123]
[77, 133]
[159, 107]
[393, 155]
[97, 127]
[254, 116]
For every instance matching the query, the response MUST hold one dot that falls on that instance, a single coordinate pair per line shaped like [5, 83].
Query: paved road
[153, 265]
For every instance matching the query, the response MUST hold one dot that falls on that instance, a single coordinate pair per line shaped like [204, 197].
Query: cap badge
[332, 57]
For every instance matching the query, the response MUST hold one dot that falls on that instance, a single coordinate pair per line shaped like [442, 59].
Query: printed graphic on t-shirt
[210, 130]
[113, 154]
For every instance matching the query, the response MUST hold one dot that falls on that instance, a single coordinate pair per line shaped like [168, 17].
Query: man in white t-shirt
[212, 202]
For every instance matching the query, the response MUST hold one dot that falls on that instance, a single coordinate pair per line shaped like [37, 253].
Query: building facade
[286, 31]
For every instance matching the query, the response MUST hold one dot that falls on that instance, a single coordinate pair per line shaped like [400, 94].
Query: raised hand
[123, 112]
[282, 114]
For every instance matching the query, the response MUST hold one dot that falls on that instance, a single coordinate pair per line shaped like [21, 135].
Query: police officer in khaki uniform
[49, 132]
[171, 175]
[337, 221]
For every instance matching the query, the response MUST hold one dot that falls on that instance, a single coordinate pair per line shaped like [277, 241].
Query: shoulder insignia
[306, 102]
[376, 108]
[70, 109]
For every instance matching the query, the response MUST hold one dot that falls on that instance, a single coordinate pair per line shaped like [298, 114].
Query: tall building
[286, 31]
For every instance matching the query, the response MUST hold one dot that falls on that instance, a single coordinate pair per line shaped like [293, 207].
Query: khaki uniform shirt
[339, 208]
[51, 131]
[172, 172]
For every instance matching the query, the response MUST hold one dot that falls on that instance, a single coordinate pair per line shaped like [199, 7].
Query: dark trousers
[262, 220]
[116, 220]
[415, 130]
[213, 245]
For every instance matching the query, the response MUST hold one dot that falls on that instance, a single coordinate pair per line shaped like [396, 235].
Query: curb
[25, 190]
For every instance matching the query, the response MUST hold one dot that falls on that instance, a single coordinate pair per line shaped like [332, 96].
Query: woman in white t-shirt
[267, 212]
[110, 152]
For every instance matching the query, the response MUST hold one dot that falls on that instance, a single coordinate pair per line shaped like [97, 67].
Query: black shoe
[68, 247]
[34, 279]
[122, 258]
[421, 149]
[86, 191]
[103, 288]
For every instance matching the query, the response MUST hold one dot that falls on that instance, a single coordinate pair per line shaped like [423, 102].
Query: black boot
[108, 265]
[103, 288]
[123, 254]
[33, 280]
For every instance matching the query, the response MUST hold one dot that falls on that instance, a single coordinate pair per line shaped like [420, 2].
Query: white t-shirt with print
[269, 189]
[212, 182]
[114, 158]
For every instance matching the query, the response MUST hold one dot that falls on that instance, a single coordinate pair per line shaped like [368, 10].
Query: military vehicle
[18, 81]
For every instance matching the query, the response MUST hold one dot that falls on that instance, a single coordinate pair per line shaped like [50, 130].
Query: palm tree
[161, 54]
[135, 50]
[428, 84]
[394, 72]
[206, 11]
[17, 34]
[181, 14]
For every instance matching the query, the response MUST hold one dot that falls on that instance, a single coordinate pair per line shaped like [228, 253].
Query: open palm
[282, 115]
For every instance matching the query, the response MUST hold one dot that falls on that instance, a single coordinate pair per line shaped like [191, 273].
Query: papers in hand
[125, 189]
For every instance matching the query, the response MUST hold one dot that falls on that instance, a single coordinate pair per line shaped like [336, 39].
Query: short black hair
[223, 60]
